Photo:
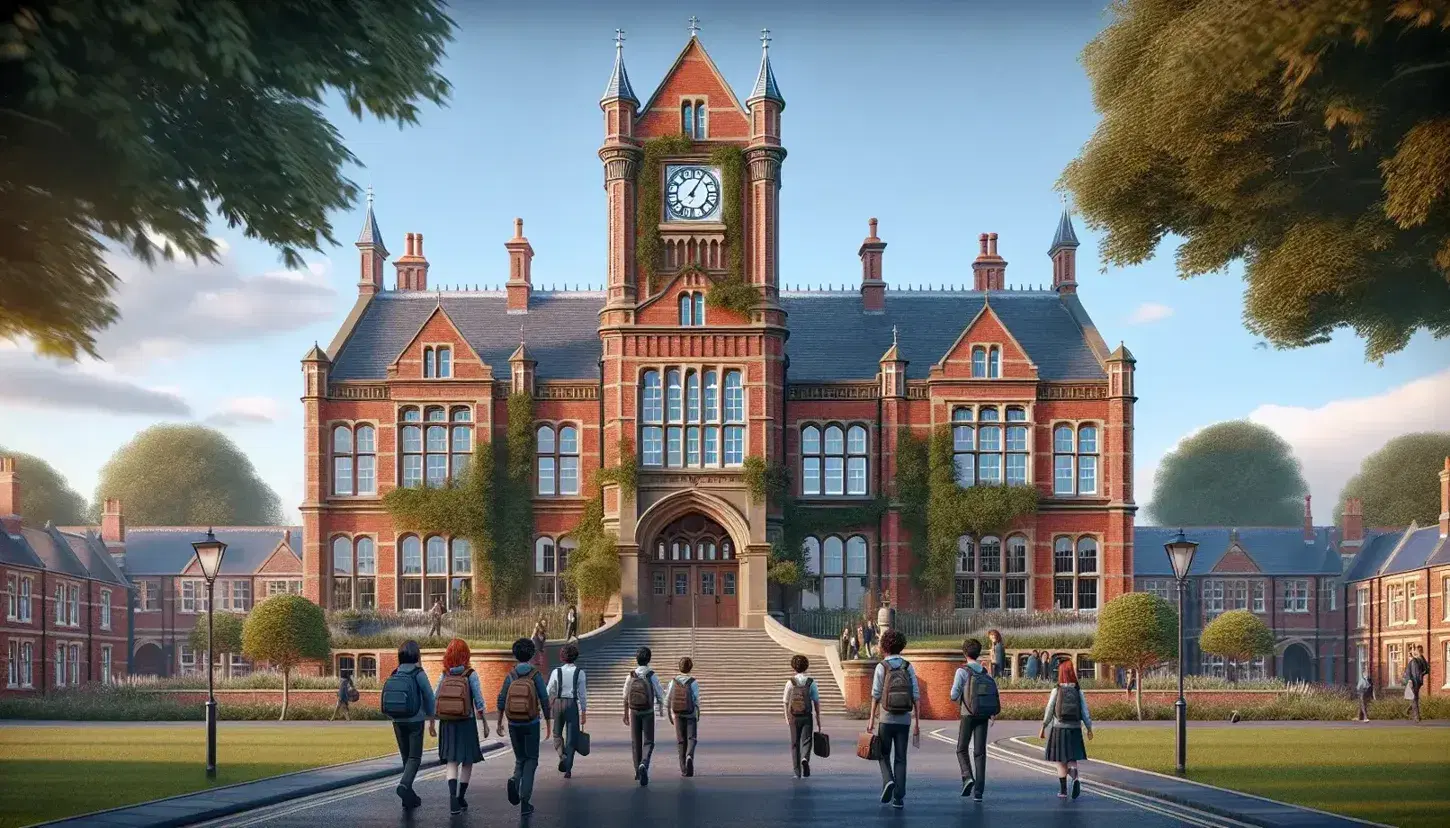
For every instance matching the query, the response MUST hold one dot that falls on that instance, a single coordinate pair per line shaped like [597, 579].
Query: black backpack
[980, 697]
[400, 696]
[1069, 705]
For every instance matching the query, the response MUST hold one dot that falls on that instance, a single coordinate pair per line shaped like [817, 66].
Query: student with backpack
[568, 692]
[802, 702]
[975, 692]
[643, 701]
[683, 703]
[458, 701]
[407, 699]
[1067, 717]
[524, 701]
[894, 696]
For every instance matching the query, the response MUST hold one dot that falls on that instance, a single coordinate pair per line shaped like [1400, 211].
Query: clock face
[692, 194]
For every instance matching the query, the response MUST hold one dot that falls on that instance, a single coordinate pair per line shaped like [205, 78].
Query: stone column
[754, 587]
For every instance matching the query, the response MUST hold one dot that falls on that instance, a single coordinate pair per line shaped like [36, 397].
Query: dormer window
[692, 309]
[695, 119]
[437, 362]
[986, 362]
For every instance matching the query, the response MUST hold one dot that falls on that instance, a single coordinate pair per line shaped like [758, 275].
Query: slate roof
[1415, 551]
[1278, 550]
[618, 86]
[92, 553]
[54, 552]
[15, 551]
[1377, 547]
[1065, 236]
[166, 550]
[371, 236]
[765, 86]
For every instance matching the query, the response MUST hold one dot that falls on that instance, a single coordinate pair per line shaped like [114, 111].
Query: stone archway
[1298, 663]
[148, 660]
[692, 570]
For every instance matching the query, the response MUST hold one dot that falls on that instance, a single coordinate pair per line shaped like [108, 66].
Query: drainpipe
[880, 492]
[46, 668]
[1345, 604]
[1274, 620]
[1426, 570]
[784, 426]
[601, 412]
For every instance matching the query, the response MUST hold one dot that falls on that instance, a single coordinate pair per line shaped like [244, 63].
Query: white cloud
[241, 411]
[40, 382]
[1149, 312]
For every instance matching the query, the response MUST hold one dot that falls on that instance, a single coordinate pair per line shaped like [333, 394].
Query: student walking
[1034, 665]
[540, 637]
[1365, 691]
[643, 702]
[435, 619]
[571, 624]
[802, 702]
[1067, 718]
[568, 692]
[683, 703]
[346, 695]
[894, 696]
[1415, 673]
[459, 705]
[999, 653]
[975, 692]
[868, 638]
[524, 701]
[407, 699]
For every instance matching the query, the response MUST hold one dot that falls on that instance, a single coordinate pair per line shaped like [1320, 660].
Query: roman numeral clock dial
[692, 193]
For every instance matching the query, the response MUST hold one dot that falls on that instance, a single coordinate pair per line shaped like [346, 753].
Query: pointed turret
[372, 251]
[315, 369]
[618, 88]
[765, 86]
[765, 102]
[1065, 236]
[521, 369]
[893, 370]
[1063, 253]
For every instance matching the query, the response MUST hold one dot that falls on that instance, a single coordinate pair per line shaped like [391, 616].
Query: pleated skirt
[458, 742]
[1065, 744]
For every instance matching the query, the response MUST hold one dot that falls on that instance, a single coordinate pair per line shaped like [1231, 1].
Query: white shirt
[800, 679]
[561, 684]
[642, 671]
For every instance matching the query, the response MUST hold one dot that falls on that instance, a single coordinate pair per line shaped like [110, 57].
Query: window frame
[105, 609]
[671, 435]
[359, 584]
[550, 581]
[691, 304]
[454, 418]
[25, 609]
[1075, 575]
[822, 455]
[556, 457]
[1006, 420]
[695, 118]
[968, 593]
[455, 580]
[824, 583]
[438, 361]
[1295, 601]
[354, 456]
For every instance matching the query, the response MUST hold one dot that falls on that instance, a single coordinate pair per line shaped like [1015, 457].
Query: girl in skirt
[1063, 725]
[458, 738]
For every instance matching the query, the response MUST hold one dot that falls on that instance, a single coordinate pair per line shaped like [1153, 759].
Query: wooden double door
[694, 577]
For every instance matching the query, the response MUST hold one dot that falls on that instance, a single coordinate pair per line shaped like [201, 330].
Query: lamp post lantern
[209, 554]
[1180, 553]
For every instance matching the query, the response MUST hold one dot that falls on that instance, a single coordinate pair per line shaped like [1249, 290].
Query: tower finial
[619, 40]
[893, 335]
[694, 26]
[765, 39]
[370, 195]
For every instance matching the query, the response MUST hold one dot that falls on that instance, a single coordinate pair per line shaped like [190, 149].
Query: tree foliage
[45, 495]
[1137, 630]
[1234, 473]
[1400, 482]
[1237, 636]
[228, 635]
[187, 475]
[1310, 140]
[286, 631]
[460, 508]
[120, 117]
[734, 292]
[593, 569]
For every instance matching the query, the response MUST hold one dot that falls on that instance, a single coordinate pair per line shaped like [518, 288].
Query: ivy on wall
[514, 501]
[459, 509]
[733, 292]
[649, 206]
[913, 494]
[787, 556]
[593, 569]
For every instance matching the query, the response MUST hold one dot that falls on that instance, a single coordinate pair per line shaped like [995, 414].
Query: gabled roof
[1376, 549]
[693, 43]
[166, 550]
[90, 550]
[1277, 550]
[1415, 550]
[418, 333]
[54, 552]
[16, 552]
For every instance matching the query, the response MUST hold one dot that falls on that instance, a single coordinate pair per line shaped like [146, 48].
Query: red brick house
[821, 381]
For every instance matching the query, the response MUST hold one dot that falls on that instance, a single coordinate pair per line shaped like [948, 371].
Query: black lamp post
[209, 554]
[1180, 554]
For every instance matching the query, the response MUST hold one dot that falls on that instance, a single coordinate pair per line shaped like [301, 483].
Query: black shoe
[967, 786]
[513, 791]
[527, 809]
[898, 804]
[453, 806]
[1076, 787]
[886, 791]
[806, 769]
[643, 776]
[410, 799]
[977, 799]
[562, 768]
[689, 767]
[568, 774]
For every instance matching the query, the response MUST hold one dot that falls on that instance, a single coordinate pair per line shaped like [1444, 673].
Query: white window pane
[462, 553]
[966, 469]
[856, 440]
[1016, 469]
[674, 446]
[1087, 475]
[810, 440]
[1087, 439]
[341, 556]
[412, 556]
[568, 440]
[462, 439]
[712, 398]
[367, 559]
[412, 470]
[342, 475]
[437, 438]
[833, 555]
[989, 438]
[366, 440]
[734, 445]
[568, 475]
[835, 476]
[692, 396]
[653, 446]
[342, 439]
[963, 438]
[990, 468]
[367, 478]
[856, 555]
[734, 398]
[437, 556]
[673, 401]
[1062, 439]
[834, 596]
[811, 476]
[1017, 438]
[856, 476]
[712, 445]
[692, 446]
[546, 475]
[545, 440]
[437, 469]
[1062, 482]
[835, 440]
[812, 549]
[412, 439]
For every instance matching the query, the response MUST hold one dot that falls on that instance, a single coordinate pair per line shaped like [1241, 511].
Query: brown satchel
[867, 747]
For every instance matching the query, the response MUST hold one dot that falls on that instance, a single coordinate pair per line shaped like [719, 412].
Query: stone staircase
[740, 672]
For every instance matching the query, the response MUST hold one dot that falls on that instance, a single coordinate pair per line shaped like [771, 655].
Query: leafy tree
[1310, 140]
[1137, 630]
[228, 636]
[1237, 636]
[187, 475]
[44, 493]
[286, 631]
[1235, 473]
[122, 116]
[1400, 482]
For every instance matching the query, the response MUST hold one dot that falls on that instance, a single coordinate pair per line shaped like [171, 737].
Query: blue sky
[943, 120]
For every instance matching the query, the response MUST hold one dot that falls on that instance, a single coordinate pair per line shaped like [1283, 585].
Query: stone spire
[1063, 253]
[1065, 236]
[619, 88]
[765, 86]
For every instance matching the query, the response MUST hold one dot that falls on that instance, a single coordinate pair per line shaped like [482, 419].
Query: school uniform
[1365, 691]
[569, 694]
[971, 733]
[687, 725]
[802, 728]
[409, 732]
[642, 722]
[999, 659]
[1064, 739]
[894, 729]
[524, 736]
[458, 738]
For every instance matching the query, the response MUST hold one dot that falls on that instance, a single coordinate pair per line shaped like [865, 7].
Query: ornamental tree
[1309, 141]
[1400, 482]
[1137, 630]
[127, 118]
[1235, 473]
[286, 631]
[1237, 636]
[226, 638]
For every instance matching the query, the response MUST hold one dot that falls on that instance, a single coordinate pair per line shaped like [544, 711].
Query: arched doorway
[693, 575]
[148, 661]
[1298, 664]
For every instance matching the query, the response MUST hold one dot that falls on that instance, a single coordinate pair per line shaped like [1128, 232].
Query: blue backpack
[980, 697]
[400, 696]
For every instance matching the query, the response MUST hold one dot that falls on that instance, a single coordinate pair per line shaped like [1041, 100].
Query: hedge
[131, 704]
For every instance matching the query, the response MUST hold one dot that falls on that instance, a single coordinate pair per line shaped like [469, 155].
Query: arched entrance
[148, 661]
[693, 575]
[1298, 664]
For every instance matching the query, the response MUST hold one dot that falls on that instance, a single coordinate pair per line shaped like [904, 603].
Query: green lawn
[1394, 775]
[53, 772]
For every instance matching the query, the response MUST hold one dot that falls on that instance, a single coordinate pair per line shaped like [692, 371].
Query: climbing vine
[649, 208]
[459, 509]
[733, 292]
[593, 569]
[787, 556]
[913, 493]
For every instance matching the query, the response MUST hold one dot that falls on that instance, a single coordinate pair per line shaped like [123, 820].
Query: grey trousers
[687, 730]
[410, 748]
[525, 741]
[972, 750]
[1364, 700]
[641, 737]
[895, 739]
[802, 738]
[566, 730]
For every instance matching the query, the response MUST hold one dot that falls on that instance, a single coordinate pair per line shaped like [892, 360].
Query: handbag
[821, 745]
[581, 743]
[868, 747]
[352, 695]
[1409, 692]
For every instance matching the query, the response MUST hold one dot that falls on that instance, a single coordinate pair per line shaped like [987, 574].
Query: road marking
[1176, 811]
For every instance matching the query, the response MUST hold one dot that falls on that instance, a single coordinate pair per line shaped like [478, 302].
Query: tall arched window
[836, 572]
[734, 419]
[680, 418]
[992, 575]
[460, 587]
[675, 416]
[686, 309]
[354, 573]
[354, 460]
[426, 569]
[979, 362]
[994, 362]
[692, 309]
[811, 590]
[411, 442]
[1075, 573]
[687, 118]
[702, 120]
[558, 460]
[1087, 459]
[652, 416]
[551, 561]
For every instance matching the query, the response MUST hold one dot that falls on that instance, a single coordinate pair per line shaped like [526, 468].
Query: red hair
[456, 655]
[1066, 673]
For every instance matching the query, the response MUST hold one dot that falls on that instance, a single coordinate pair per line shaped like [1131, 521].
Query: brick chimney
[1353, 520]
[9, 496]
[1445, 500]
[873, 287]
[521, 277]
[412, 267]
[989, 271]
[1308, 520]
[113, 522]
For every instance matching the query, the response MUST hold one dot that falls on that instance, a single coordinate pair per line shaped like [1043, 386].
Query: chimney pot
[408, 246]
[113, 521]
[991, 244]
[9, 494]
[872, 222]
[983, 242]
[420, 244]
[518, 228]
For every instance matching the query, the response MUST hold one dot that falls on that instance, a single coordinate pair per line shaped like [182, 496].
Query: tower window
[692, 309]
[437, 362]
[695, 119]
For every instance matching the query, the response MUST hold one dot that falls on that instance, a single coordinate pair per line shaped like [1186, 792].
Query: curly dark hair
[800, 663]
[972, 648]
[686, 665]
[569, 653]
[524, 650]
[893, 642]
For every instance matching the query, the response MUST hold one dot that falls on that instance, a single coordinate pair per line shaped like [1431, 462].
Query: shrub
[1237, 636]
[260, 680]
[121, 703]
[285, 631]
[227, 637]
[353, 629]
[1137, 630]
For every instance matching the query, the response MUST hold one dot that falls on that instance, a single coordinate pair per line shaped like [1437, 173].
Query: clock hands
[694, 185]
